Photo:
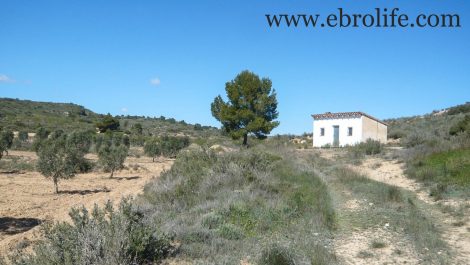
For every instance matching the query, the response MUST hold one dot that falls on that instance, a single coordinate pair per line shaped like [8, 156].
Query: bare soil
[27, 198]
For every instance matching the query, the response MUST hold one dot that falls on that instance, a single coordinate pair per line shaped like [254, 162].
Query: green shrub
[445, 168]
[369, 147]
[394, 194]
[23, 136]
[17, 164]
[376, 243]
[168, 146]
[464, 108]
[413, 140]
[461, 126]
[276, 255]
[104, 236]
[212, 220]
[230, 232]
[396, 134]
[437, 191]
[108, 123]
[6, 141]
[321, 256]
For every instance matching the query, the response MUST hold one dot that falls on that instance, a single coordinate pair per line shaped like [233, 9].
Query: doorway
[335, 135]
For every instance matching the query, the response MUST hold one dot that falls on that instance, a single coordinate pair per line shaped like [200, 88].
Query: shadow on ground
[11, 225]
[84, 192]
[126, 178]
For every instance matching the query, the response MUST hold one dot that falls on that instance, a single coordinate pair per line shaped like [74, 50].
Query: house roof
[344, 115]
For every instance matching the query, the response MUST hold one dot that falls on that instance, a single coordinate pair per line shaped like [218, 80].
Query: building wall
[344, 139]
[372, 129]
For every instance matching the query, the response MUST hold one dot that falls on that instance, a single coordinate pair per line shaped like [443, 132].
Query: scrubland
[276, 202]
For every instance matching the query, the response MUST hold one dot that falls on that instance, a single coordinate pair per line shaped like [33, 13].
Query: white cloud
[5, 79]
[155, 81]
[124, 109]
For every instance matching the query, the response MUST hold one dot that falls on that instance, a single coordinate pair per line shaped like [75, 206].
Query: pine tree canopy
[251, 107]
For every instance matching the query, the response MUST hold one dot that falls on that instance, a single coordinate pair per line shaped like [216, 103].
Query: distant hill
[16, 115]
[434, 124]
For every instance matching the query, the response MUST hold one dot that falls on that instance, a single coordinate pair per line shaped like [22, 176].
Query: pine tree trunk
[112, 173]
[153, 159]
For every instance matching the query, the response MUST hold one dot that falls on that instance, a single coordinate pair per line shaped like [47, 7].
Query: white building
[346, 128]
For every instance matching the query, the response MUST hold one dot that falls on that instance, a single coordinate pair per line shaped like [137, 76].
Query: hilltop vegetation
[27, 115]
[438, 147]
[417, 129]
[18, 115]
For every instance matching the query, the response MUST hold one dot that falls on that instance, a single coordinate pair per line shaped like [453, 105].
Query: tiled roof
[344, 115]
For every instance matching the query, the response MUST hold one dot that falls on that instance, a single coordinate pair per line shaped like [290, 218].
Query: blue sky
[172, 58]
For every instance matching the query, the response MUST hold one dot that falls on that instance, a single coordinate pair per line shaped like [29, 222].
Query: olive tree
[168, 146]
[152, 148]
[111, 157]
[80, 143]
[56, 160]
[23, 136]
[6, 141]
[41, 135]
[171, 145]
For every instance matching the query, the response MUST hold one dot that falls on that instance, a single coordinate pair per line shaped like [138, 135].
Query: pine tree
[251, 107]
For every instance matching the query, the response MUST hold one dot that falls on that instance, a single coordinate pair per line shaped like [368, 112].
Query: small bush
[230, 232]
[321, 256]
[413, 140]
[372, 147]
[376, 243]
[369, 147]
[276, 255]
[212, 220]
[461, 126]
[104, 236]
[437, 191]
[394, 194]
[397, 134]
[363, 254]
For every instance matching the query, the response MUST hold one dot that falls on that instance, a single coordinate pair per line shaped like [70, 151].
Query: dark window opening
[322, 131]
[350, 130]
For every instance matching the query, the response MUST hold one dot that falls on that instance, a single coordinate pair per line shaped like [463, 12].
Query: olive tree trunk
[56, 185]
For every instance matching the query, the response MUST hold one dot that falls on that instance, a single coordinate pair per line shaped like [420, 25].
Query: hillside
[27, 115]
[436, 124]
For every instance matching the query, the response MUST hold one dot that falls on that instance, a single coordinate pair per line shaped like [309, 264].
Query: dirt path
[27, 198]
[353, 244]
[453, 223]
[391, 173]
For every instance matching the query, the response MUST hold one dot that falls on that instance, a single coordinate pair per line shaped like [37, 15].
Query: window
[322, 131]
[350, 131]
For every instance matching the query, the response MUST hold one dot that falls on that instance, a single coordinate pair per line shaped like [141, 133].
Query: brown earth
[27, 198]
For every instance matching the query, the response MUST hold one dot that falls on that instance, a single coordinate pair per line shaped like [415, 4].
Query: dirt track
[27, 198]
[391, 172]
